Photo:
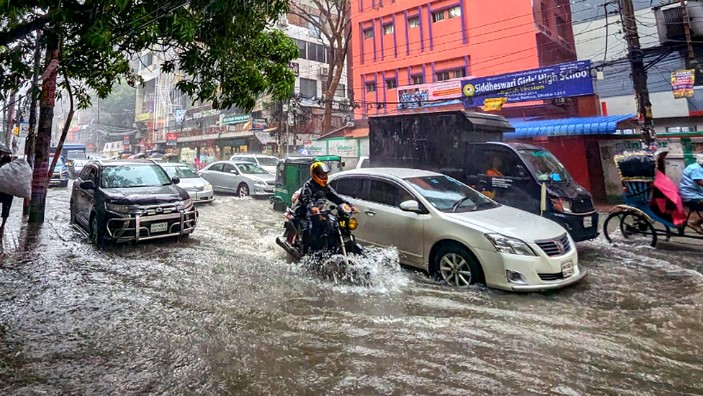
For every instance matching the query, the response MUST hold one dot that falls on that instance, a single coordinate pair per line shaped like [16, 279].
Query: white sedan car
[444, 227]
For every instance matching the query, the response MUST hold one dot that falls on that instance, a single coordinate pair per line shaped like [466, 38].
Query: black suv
[132, 200]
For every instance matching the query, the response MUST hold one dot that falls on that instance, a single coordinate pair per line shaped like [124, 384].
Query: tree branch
[23, 30]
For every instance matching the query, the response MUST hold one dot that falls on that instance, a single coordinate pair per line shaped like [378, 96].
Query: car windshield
[268, 161]
[181, 171]
[544, 165]
[58, 163]
[450, 195]
[126, 176]
[250, 169]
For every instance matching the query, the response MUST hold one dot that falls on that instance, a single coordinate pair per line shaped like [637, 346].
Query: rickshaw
[652, 207]
[293, 172]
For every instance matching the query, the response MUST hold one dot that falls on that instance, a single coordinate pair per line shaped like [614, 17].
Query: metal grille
[551, 277]
[555, 247]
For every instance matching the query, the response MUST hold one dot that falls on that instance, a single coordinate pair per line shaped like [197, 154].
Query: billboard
[682, 82]
[171, 138]
[558, 81]
[428, 95]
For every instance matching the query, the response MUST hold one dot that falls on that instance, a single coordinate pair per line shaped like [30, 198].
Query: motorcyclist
[313, 190]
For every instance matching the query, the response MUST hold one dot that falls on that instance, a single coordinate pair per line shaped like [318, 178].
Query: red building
[412, 42]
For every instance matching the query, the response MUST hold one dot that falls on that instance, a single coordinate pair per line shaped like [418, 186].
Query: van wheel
[457, 266]
[97, 233]
[243, 190]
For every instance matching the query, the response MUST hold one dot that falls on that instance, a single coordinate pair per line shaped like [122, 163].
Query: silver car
[240, 177]
[199, 189]
[267, 162]
[444, 227]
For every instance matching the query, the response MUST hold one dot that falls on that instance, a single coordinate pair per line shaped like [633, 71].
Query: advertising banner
[558, 81]
[232, 119]
[343, 147]
[682, 82]
[428, 95]
[315, 147]
[259, 124]
[171, 138]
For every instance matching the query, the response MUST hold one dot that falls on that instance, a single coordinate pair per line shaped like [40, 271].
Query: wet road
[224, 313]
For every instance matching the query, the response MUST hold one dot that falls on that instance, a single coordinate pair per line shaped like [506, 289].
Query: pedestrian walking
[5, 199]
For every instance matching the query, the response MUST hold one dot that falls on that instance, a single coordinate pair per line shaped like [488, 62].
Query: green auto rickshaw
[293, 172]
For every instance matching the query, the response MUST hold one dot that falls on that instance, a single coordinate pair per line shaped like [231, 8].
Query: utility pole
[43, 138]
[639, 74]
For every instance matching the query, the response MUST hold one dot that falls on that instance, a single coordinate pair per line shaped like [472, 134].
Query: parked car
[75, 168]
[241, 177]
[267, 162]
[363, 163]
[446, 228]
[199, 189]
[132, 200]
[59, 177]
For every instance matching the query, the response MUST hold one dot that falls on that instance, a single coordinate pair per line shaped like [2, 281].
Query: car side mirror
[87, 185]
[234, 171]
[410, 206]
[176, 179]
[344, 164]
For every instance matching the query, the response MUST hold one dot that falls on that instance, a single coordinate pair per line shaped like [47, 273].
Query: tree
[225, 49]
[332, 19]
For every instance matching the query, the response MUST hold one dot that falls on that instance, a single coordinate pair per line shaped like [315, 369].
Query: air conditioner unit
[324, 71]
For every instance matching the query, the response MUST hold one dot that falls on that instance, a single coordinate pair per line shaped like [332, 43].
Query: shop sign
[343, 147]
[203, 112]
[429, 95]
[259, 124]
[171, 138]
[682, 82]
[559, 81]
[142, 117]
[316, 148]
[235, 119]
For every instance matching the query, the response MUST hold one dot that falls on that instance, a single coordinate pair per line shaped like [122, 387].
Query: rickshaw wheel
[632, 227]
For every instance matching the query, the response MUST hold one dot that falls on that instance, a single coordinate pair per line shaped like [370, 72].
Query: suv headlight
[124, 209]
[504, 244]
[561, 205]
[183, 204]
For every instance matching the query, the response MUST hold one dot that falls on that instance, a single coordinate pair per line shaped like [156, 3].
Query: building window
[680, 129]
[302, 49]
[458, 73]
[388, 29]
[317, 53]
[313, 30]
[308, 87]
[391, 83]
[414, 22]
[368, 33]
[454, 12]
[371, 86]
[417, 79]
[341, 91]
[562, 29]
[442, 76]
[437, 16]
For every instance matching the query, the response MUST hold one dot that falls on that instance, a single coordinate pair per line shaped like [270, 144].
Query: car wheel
[97, 233]
[243, 190]
[457, 266]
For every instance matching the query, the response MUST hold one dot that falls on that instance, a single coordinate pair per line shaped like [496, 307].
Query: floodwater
[225, 313]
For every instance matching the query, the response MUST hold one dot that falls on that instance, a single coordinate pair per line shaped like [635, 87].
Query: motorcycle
[330, 241]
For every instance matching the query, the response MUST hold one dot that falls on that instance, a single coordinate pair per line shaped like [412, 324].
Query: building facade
[400, 44]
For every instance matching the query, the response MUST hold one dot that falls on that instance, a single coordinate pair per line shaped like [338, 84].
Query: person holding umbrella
[5, 199]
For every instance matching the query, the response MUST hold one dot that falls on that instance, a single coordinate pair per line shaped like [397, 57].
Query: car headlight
[208, 187]
[259, 182]
[183, 204]
[504, 244]
[121, 208]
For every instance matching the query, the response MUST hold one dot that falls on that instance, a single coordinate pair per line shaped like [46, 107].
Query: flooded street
[225, 313]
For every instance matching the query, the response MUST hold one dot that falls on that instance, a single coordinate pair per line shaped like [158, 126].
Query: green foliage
[224, 48]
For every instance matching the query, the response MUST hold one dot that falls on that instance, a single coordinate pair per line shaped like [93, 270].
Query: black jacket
[310, 193]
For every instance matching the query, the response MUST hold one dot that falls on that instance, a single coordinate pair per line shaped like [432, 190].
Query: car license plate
[587, 222]
[567, 268]
[159, 227]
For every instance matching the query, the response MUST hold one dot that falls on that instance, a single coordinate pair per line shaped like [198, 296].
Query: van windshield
[545, 166]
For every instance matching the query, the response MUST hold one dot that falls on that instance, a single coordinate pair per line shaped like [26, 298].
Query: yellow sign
[16, 131]
[142, 117]
[494, 104]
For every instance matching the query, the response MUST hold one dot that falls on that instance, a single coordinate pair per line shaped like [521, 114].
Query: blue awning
[606, 125]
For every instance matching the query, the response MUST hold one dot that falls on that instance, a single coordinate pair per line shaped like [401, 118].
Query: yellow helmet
[318, 173]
